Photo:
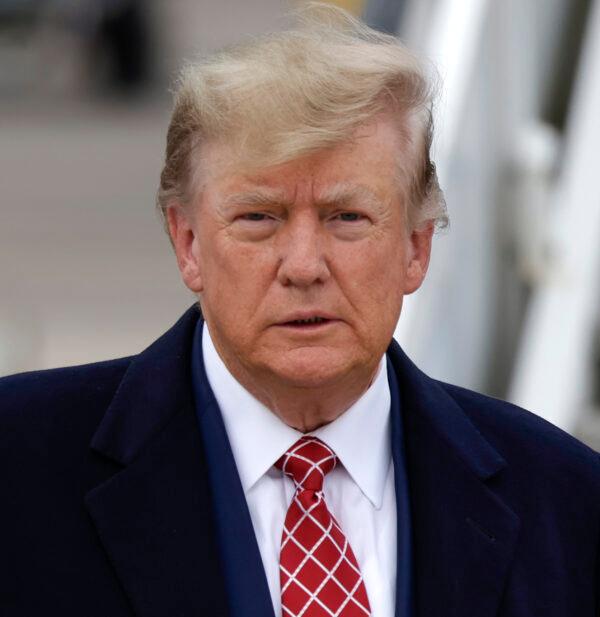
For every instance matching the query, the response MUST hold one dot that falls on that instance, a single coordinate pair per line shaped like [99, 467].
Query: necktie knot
[307, 462]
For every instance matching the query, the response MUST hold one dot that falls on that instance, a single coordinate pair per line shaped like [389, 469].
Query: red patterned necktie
[319, 574]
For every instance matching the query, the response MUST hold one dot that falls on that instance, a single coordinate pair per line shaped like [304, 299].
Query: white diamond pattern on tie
[319, 573]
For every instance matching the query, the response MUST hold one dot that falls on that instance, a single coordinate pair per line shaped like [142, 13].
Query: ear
[185, 241]
[419, 251]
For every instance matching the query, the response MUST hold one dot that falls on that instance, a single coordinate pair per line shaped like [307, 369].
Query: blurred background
[511, 303]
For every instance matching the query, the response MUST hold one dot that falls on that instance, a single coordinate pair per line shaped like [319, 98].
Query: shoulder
[526, 439]
[36, 403]
[60, 384]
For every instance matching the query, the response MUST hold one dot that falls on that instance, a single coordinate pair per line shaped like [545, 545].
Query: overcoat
[106, 505]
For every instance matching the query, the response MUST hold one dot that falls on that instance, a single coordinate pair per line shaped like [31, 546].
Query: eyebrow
[257, 197]
[344, 193]
[339, 194]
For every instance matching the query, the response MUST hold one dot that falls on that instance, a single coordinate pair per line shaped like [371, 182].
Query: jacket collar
[464, 535]
[154, 388]
[154, 517]
[429, 402]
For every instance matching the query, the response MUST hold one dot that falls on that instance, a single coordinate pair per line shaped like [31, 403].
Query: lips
[310, 320]
[307, 319]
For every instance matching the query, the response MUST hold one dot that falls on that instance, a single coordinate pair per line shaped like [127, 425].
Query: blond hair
[284, 95]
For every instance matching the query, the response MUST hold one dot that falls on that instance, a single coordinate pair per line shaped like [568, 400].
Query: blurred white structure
[512, 299]
[555, 363]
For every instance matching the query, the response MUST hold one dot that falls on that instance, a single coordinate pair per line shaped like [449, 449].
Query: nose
[302, 257]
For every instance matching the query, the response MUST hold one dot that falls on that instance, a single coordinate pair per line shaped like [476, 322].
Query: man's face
[321, 239]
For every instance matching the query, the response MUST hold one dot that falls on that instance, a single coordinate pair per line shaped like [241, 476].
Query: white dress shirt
[359, 492]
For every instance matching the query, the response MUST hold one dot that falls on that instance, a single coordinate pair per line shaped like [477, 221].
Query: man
[277, 453]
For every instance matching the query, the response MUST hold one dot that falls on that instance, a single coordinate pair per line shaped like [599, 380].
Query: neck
[306, 408]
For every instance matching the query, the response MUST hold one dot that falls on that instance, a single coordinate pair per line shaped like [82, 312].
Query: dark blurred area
[120, 44]
[109, 43]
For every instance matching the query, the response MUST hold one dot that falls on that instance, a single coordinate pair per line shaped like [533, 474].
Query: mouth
[315, 322]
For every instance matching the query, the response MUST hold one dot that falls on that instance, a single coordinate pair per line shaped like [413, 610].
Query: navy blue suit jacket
[106, 503]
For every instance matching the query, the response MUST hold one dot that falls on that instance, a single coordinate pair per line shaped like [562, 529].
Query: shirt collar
[360, 437]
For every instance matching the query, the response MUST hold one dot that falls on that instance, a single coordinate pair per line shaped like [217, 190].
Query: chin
[312, 367]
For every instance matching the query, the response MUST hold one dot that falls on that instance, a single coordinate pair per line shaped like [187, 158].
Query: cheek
[375, 271]
[372, 283]
[230, 263]
[237, 278]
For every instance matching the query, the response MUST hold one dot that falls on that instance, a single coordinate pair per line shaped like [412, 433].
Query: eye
[253, 225]
[349, 217]
[349, 225]
[254, 216]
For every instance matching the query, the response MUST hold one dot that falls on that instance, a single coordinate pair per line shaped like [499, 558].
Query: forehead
[364, 167]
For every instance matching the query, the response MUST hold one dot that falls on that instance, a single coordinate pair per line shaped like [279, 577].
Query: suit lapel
[154, 517]
[245, 579]
[464, 535]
